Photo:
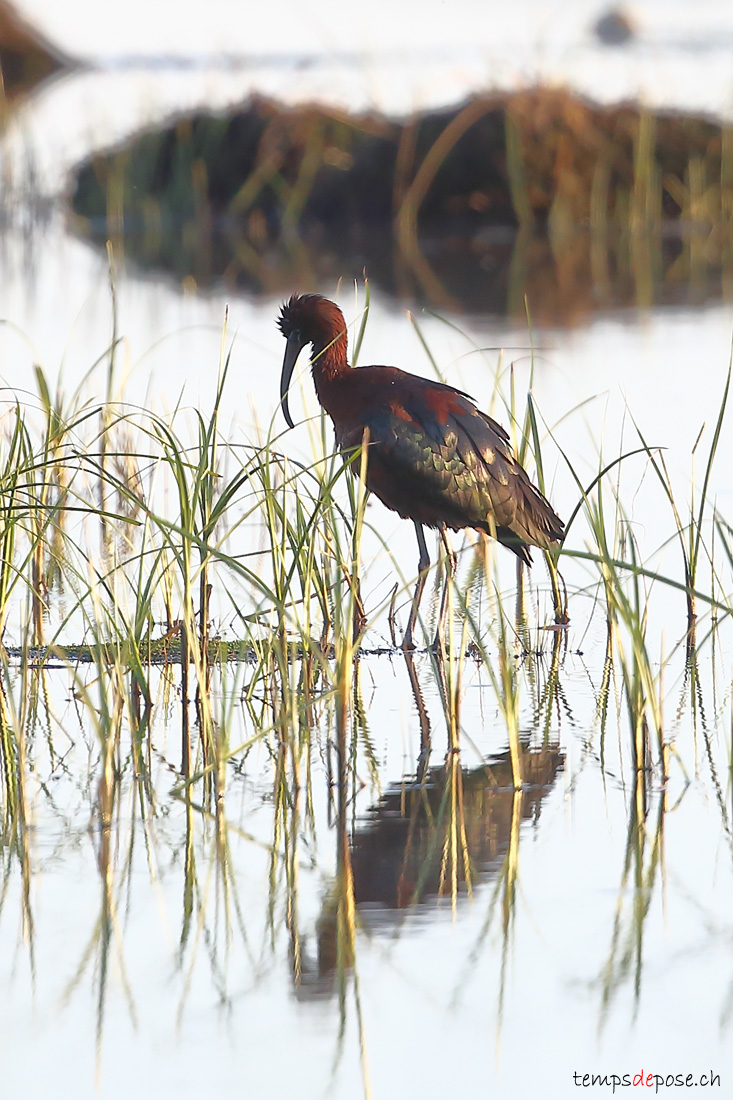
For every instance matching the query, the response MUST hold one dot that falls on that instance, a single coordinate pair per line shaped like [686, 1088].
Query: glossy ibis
[434, 457]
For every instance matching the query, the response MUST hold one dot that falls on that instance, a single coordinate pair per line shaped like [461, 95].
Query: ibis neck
[328, 363]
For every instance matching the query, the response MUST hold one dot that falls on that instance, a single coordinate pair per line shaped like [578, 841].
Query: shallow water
[158, 966]
[193, 950]
[610, 954]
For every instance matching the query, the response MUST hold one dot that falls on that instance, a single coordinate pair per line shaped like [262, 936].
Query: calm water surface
[193, 953]
[159, 966]
[112, 980]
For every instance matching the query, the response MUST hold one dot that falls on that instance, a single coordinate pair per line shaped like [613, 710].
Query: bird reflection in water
[429, 841]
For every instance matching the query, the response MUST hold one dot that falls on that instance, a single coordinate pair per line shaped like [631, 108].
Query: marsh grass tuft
[202, 533]
[215, 650]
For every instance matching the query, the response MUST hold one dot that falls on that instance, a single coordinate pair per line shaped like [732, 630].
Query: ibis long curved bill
[293, 349]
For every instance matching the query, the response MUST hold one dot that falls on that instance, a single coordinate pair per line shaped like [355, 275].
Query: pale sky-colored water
[401, 57]
[222, 1018]
[378, 56]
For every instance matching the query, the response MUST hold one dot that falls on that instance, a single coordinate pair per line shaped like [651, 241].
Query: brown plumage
[434, 457]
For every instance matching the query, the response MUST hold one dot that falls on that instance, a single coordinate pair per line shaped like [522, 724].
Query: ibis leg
[422, 713]
[450, 574]
[423, 565]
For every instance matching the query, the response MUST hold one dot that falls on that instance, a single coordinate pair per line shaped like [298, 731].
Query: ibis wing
[435, 458]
